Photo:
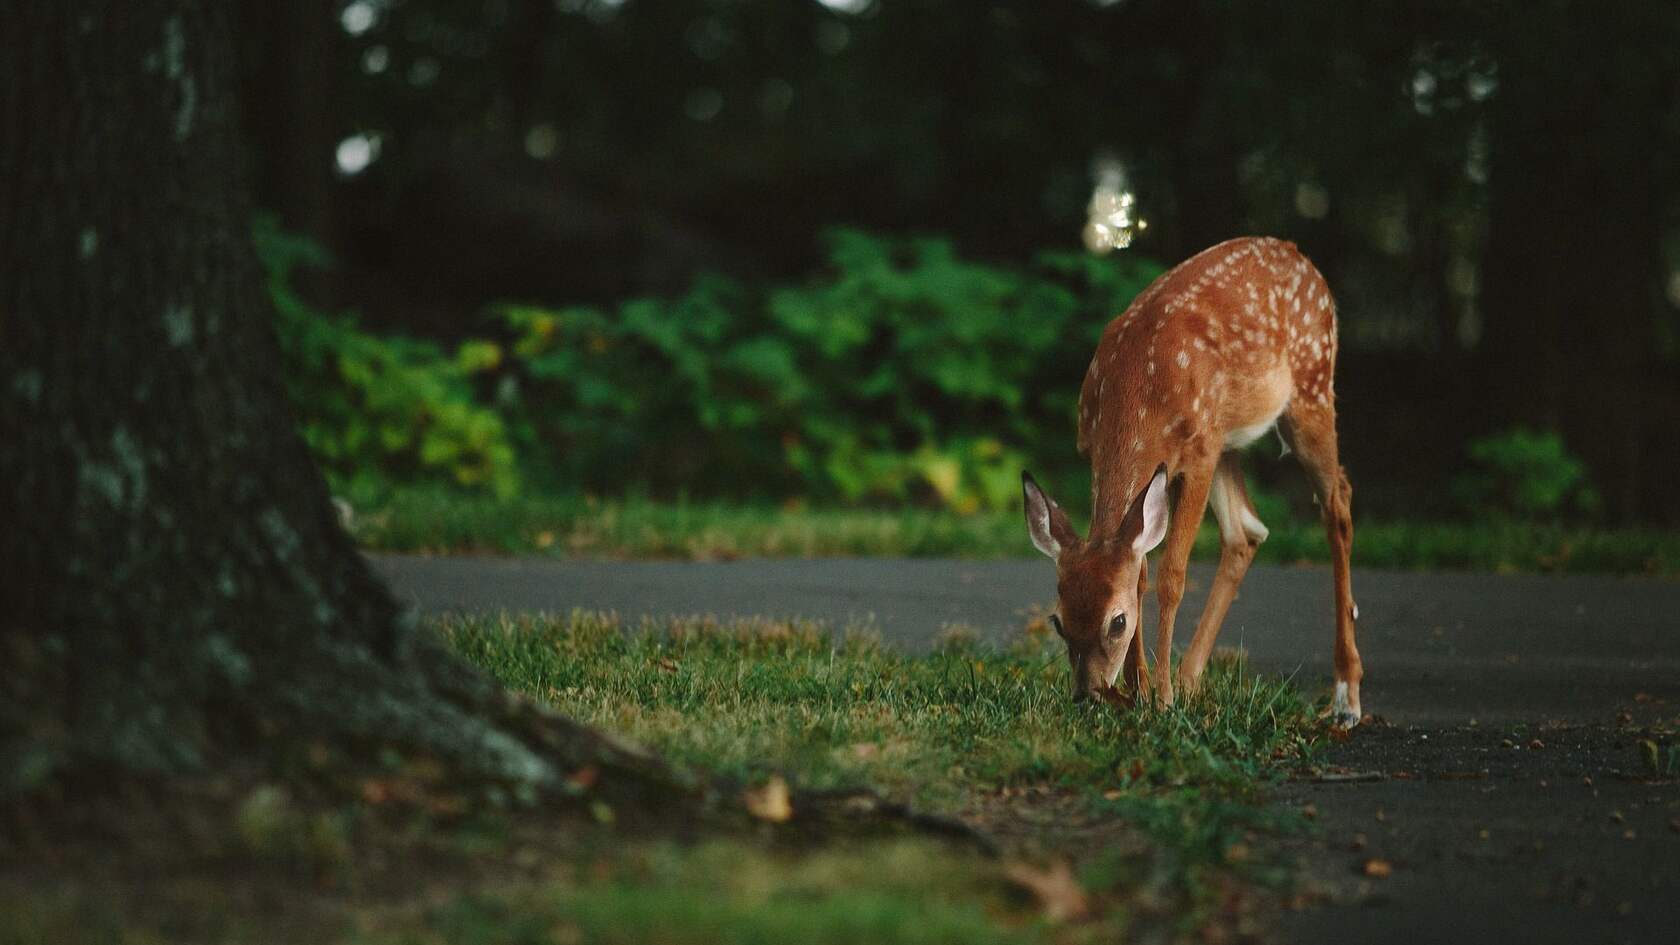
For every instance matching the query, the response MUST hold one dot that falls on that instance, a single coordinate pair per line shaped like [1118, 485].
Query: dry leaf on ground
[1057, 892]
[769, 802]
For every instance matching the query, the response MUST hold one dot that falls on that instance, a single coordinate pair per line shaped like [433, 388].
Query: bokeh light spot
[356, 152]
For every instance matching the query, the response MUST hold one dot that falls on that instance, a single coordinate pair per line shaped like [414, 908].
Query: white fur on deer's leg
[1344, 712]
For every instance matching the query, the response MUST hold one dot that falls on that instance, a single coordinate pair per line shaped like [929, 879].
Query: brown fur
[1210, 355]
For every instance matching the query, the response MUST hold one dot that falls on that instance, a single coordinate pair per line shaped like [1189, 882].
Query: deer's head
[1097, 581]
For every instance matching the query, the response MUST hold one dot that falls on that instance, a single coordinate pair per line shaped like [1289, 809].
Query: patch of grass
[440, 522]
[1114, 825]
[1157, 808]
[443, 523]
[729, 892]
[756, 697]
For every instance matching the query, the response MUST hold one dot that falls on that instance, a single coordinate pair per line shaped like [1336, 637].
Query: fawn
[1223, 347]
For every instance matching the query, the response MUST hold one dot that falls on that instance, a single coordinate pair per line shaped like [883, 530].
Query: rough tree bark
[175, 592]
[176, 587]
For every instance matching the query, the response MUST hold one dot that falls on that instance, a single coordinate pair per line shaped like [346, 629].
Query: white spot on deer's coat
[1323, 302]
[1150, 367]
[1184, 359]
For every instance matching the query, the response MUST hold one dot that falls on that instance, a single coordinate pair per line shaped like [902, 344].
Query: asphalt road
[1508, 799]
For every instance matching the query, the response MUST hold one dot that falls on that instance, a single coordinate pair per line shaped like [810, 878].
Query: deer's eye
[1117, 626]
[1056, 622]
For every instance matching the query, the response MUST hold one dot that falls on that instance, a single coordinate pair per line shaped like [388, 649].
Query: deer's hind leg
[1312, 430]
[1240, 533]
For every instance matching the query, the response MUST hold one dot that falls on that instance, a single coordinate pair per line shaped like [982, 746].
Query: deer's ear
[1149, 511]
[1048, 525]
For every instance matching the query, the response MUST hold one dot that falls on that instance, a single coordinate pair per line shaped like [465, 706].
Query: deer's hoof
[1344, 714]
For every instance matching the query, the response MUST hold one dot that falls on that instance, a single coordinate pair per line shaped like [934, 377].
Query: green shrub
[1524, 474]
[379, 411]
[901, 373]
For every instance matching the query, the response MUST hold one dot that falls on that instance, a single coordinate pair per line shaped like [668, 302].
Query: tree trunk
[177, 587]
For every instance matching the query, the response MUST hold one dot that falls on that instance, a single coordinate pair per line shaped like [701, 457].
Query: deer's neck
[1118, 477]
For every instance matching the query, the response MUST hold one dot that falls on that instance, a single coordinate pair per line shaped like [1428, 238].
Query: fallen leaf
[1536, 744]
[543, 540]
[769, 802]
[1057, 892]
[1378, 868]
[584, 778]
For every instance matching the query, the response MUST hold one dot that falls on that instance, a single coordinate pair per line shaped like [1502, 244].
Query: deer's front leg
[1175, 559]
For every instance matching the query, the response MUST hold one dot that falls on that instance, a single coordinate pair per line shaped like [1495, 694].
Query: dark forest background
[713, 191]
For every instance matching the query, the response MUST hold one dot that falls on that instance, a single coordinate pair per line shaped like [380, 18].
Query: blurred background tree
[1489, 187]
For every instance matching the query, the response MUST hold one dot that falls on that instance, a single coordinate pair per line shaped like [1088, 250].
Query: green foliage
[902, 893]
[1524, 474]
[902, 373]
[379, 411]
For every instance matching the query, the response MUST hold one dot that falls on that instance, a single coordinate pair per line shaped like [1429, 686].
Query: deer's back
[1213, 349]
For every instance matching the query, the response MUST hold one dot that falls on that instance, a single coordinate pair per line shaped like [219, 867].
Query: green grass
[442, 523]
[1151, 822]
[1156, 809]
[724, 892]
[752, 698]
